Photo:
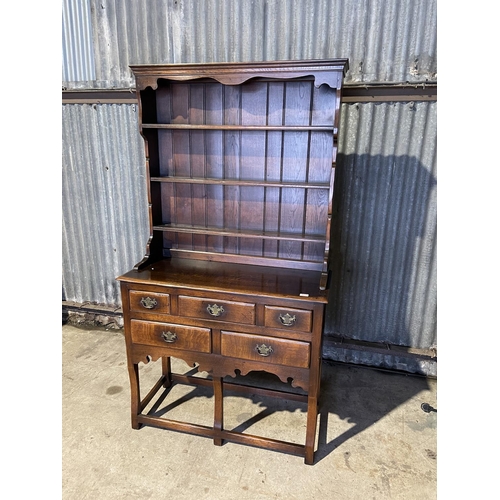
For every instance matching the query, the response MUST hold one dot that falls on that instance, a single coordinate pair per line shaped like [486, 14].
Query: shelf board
[257, 128]
[278, 262]
[247, 183]
[235, 233]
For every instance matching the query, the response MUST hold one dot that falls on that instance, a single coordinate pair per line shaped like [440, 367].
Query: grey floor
[374, 439]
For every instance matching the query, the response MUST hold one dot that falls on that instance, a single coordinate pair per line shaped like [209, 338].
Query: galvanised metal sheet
[385, 40]
[383, 250]
[77, 44]
[384, 230]
[104, 200]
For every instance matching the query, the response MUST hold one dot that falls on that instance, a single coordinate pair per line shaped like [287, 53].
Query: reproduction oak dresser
[240, 162]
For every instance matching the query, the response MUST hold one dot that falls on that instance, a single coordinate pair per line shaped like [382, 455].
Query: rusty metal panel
[385, 40]
[104, 200]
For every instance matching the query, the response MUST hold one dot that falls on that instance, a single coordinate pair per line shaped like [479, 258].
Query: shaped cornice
[329, 72]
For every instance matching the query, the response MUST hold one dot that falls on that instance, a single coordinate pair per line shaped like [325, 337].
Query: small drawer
[290, 319]
[267, 349]
[149, 301]
[222, 310]
[169, 335]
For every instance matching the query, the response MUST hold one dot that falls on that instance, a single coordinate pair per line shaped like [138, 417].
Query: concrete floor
[374, 439]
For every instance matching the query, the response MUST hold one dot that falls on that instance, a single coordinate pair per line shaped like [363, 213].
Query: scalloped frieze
[191, 359]
[145, 358]
[147, 81]
[297, 380]
[229, 76]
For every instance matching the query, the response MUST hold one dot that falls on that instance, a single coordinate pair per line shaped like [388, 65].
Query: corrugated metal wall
[385, 40]
[384, 286]
[77, 44]
[383, 247]
[384, 254]
[105, 220]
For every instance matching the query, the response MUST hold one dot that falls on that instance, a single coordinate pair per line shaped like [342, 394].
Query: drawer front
[289, 319]
[149, 302]
[170, 335]
[266, 349]
[221, 310]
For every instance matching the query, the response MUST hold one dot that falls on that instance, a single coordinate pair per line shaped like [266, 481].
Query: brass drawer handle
[264, 350]
[148, 302]
[287, 320]
[169, 337]
[215, 310]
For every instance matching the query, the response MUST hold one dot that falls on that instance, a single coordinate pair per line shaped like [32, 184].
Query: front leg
[166, 371]
[312, 417]
[135, 394]
[218, 409]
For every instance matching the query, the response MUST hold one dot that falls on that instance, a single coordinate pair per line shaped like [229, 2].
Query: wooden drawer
[266, 349]
[149, 301]
[289, 319]
[168, 335]
[222, 310]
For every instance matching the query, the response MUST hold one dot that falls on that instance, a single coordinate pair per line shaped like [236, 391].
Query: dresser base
[228, 320]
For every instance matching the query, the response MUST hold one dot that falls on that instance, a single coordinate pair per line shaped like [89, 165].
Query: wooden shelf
[256, 128]
[273, 262]
[246, 183]
[235, 233]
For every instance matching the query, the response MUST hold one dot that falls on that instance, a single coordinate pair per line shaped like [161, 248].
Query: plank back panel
[253, 164]
[214, 150]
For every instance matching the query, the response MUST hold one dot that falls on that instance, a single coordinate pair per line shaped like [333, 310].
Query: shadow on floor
[361, 396]
[356, 395]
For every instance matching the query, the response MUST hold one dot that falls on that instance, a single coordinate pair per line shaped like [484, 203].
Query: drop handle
[169, 337]
[287, 319]
[215, 310]
[264, 350]
[148, 302]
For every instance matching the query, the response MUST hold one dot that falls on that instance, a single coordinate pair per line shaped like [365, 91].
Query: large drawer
[149, 302]
[222, 310]
[170, 335]
[267, 349]
[289, 319]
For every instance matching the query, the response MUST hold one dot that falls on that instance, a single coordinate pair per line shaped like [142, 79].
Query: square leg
[166, 368]
[218, 408]
[135, 394]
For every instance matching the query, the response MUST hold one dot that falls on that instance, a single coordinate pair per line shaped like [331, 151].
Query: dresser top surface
[232, 278]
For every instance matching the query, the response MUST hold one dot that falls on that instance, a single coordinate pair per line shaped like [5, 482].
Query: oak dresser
[240, 163]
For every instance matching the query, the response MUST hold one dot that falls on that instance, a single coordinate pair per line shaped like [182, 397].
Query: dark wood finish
[149, 301]
[240, 164]
[173, 335]
[289, 319]
[265, 349]
[215, 309]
